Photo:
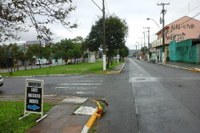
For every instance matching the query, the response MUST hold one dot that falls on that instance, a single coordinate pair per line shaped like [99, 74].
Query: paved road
[80, 85]
[167, 99]
[115, 89]
[145, 97]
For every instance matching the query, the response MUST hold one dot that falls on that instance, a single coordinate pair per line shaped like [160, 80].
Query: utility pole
[104, 37]
[104, 32]
[163, 11]
[144, 38]
[148, 30]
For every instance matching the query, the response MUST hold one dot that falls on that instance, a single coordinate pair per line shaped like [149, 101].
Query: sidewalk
[60, 119]
[181, 65]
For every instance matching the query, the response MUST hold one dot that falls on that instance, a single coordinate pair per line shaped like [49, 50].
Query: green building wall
[184, 51]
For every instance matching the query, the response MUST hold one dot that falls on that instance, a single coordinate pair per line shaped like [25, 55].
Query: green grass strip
[11, 111]
[79, 68]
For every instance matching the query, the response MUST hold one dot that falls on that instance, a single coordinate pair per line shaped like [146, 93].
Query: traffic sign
[34, 97]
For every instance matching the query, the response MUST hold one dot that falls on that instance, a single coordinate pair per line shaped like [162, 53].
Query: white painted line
[84, 110]
[81, 84]
[84, 81]
[76, 88]
[51, 95]
[77, 100]
[82, 93]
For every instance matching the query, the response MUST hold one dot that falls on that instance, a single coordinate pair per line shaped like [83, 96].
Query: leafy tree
[116, 32]
[47, 51]
[56, 51]
[3, 55]
[17, 54]
[33, 52]
[33, 13]
[144, 50]
[124, 52]
[30, 53]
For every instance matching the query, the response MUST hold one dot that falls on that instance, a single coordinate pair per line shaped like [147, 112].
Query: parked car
[1, 80]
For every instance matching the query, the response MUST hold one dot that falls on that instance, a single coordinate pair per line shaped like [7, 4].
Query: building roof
[184, 20]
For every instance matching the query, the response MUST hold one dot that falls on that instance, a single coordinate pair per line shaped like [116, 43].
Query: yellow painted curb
[93, 118]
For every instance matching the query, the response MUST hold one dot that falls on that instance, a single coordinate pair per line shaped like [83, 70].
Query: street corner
[97, 114]
[61, 117]
[117, 70]
[112, 72]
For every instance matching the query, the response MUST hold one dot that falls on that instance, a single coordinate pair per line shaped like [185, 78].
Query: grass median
[11, 111]
[79, 68]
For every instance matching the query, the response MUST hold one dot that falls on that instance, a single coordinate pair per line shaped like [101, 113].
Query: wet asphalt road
[167, 99]
[145, 97]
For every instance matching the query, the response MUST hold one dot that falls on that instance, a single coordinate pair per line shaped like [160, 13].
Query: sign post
[34, 90]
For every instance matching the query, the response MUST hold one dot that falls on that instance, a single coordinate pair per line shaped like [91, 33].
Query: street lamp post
[154, 22]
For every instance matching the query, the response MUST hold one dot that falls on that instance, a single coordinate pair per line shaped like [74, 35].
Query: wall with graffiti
[181, 29]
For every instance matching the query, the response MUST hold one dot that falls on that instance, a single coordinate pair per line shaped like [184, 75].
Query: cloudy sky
[134, 12]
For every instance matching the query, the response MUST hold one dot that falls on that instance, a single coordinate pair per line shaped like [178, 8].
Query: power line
[194, 9]
[191, 18]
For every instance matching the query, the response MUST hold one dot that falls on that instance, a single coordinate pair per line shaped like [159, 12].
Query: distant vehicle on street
[1, 81]
[42, 62]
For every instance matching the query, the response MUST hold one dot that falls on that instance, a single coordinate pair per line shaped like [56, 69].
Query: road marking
[84, 81]
[76, 88]
[77, 100]
[80, 84]
[82, 93]
[84, 110]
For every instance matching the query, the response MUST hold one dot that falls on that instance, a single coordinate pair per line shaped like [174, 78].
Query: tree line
[17, 16]
[66, 49]
[27, 54]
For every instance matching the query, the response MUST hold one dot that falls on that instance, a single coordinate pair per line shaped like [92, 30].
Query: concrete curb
[119, 71]
[122, 67]
[50, 75]
[93, 118]
[180, 67]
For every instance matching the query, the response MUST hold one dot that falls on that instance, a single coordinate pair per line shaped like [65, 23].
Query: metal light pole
[154, 22]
